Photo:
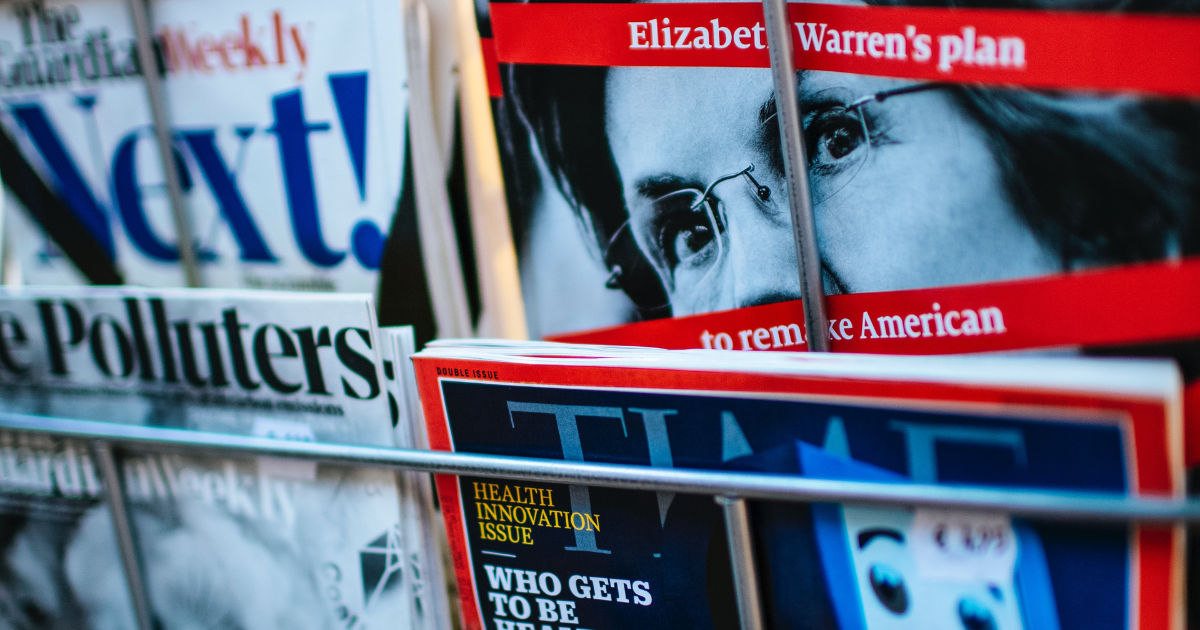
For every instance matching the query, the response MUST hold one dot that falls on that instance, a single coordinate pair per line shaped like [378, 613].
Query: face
[896, 594]
[907, 192]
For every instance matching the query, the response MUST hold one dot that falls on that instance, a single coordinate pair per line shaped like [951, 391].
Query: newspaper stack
[422, 523]
[247, 543]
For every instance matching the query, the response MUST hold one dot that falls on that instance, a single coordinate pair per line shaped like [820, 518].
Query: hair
[1099, 179]
[562, 109]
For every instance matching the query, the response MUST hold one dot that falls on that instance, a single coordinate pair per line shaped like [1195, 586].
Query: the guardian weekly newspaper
[288, 123]
[980, 180]
[536, 556]
[259, 543]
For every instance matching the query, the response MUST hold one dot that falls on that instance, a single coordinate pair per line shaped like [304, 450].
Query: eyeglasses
[674, 245]
[839, 134]
[682, 227]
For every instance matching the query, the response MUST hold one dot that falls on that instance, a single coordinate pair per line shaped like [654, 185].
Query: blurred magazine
[289, 127]
[530, 555]
[448, 219]
[253, 543]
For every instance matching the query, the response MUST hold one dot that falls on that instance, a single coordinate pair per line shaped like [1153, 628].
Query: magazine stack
[976, 180]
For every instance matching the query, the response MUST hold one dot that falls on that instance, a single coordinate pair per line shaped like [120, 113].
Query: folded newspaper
[532, 556]
[271, 107]
[421, 523]
[229, 543]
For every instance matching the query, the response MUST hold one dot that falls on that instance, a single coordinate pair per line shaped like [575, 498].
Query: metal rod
[162, 135]
[795, 169]
[741, 558]
[130, 559]
[1091, 506]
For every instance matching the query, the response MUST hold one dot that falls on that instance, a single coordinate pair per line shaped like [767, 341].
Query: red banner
[1049, 49]
[1135, 304]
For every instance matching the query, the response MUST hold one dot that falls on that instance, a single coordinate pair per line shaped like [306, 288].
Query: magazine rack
[731, 489]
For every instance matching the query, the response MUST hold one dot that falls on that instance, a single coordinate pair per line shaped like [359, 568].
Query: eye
[975, 616]
[833, 135]
[841, 141]
[684, 232]
[888, 585]
[690, 238]
[841, 136]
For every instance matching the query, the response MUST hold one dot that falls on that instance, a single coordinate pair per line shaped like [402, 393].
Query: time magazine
[535, 555]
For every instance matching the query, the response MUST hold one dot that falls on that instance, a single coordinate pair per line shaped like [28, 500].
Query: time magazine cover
[255, 543]
[534, 555]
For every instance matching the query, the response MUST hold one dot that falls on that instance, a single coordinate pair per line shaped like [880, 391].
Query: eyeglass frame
[616, 271]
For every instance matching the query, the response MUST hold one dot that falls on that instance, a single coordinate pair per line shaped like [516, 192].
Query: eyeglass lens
[683, 235]
[838, 140]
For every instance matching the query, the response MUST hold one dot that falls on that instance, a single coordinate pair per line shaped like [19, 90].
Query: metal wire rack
[730, 489]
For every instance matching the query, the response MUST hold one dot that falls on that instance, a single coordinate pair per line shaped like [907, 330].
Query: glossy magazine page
[257, 542]
[534, 554]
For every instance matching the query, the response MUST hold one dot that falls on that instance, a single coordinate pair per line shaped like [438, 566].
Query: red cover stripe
[491, 68]
[1134, 304]
[1104, 51]
[1159, 602]
[447, 489]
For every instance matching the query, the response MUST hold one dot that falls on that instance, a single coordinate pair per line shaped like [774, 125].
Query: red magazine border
[1156, 551]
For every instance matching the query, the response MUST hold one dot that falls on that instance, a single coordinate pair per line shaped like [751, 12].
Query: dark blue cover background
[1061, 454]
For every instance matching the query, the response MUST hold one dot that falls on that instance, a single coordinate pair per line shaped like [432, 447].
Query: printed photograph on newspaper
[960, 157]
[288, 134]
[223, 543]
[537, 554]
[248, 543]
